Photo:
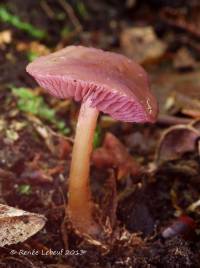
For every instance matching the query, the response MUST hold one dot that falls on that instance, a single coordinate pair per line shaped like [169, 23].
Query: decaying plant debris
[17, 225]
[146, 189]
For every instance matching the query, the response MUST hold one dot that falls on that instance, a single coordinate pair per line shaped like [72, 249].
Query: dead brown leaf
[176, 141]
[192, 113]
[141, 44]
[196, 124]
[181, 18]
[17, 225]
[183, 60]
[36, 176]
[64, 148]
[34, 47]
[187, 96]
[36, 172]
[176, 92]
[5, 38]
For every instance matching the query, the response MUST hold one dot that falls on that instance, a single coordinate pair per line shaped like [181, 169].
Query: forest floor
[152, 198]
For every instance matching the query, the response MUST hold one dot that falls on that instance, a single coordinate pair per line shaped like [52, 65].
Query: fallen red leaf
[114, 154]
[64, 148]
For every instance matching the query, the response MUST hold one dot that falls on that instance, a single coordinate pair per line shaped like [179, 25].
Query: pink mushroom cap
[115, 84]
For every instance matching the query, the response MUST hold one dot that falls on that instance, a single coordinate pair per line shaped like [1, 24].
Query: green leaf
[65, 32]
[82, 9]
[15, 21]
[29, 102]
[97, 137]
[22, 92]
[31, 55]
[60, 16]
[24, 189]
[62, 127]
[46, 113]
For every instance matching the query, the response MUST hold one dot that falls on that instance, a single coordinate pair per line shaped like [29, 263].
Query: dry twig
[70, 12]
[48, 10]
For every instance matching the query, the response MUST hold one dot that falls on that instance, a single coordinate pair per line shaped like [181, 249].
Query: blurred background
[162, 35]
[36, 130]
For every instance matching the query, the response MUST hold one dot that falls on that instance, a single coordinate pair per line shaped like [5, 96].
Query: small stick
[191, 112]
[172, 120]
[70, 12]
[48, 10]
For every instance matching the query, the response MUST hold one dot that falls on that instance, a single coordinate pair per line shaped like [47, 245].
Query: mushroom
[102, 81]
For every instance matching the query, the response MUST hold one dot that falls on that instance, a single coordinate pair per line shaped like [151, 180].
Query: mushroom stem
[79, 201]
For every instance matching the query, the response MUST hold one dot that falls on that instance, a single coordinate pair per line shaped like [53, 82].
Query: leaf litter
[37, 135]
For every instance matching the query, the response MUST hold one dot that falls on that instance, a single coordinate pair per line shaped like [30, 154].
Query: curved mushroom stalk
[79, 201]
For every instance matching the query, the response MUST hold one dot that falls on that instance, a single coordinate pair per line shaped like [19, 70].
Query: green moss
[29, 102]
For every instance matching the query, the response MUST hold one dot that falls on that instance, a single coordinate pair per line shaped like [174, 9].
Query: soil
[147, 202]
